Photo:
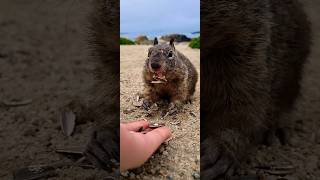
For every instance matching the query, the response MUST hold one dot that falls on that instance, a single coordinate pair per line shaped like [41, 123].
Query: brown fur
[252, 57]
[104, 104]
[180, 74]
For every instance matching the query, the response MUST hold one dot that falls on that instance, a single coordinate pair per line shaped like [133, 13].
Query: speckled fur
[252, 57]
[180, 73]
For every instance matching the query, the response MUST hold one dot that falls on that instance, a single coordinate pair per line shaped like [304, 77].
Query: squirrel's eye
[170, 55]
[149, 53]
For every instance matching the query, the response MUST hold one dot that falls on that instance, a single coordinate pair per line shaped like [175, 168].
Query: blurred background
[143, 20]
[154, 18]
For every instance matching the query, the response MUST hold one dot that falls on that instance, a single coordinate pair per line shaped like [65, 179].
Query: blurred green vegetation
[126, 41]
[195, 43]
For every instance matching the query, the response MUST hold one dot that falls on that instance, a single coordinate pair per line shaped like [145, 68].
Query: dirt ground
[180, 157]
[43, 58]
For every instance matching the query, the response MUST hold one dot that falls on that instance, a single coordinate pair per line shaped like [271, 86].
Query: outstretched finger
[136, 125]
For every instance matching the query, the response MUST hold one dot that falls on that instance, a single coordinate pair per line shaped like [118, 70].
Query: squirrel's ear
[172, 42]
[155, 41]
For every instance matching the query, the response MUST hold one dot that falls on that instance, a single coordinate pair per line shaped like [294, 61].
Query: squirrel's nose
[155, 66]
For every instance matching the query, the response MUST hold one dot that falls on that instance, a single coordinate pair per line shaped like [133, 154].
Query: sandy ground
[179, 158]
[43, 57]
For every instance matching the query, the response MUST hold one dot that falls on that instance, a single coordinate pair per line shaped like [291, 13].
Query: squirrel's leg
[150, 97]
[176, 102]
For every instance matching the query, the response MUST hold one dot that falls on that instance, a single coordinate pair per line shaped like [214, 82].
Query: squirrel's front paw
[215, 162]
[146, 104]
[103, 148]
[174, 108]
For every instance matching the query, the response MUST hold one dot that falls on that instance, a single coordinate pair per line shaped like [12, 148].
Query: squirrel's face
[161, 58]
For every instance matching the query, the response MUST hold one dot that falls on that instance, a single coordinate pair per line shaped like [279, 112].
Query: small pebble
[125, 174]
[128, 111]
[132, 175]
[196, 175]
[169, 177]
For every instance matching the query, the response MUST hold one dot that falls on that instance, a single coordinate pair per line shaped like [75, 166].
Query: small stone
[125, 174]
[196, 175]
[128, 111]
[132, 175]
[169, 177]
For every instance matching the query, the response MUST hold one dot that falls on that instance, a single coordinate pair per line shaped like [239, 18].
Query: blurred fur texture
[104, 106]
[252, 56]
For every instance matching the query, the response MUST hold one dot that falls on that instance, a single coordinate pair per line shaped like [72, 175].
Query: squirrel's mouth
[159, 76]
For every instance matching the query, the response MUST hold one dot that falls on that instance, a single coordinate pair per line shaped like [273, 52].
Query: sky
[160, 16]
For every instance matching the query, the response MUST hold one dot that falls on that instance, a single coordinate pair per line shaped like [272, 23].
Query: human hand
[136, 147]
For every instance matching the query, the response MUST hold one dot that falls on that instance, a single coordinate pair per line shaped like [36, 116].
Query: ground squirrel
[168, 74]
